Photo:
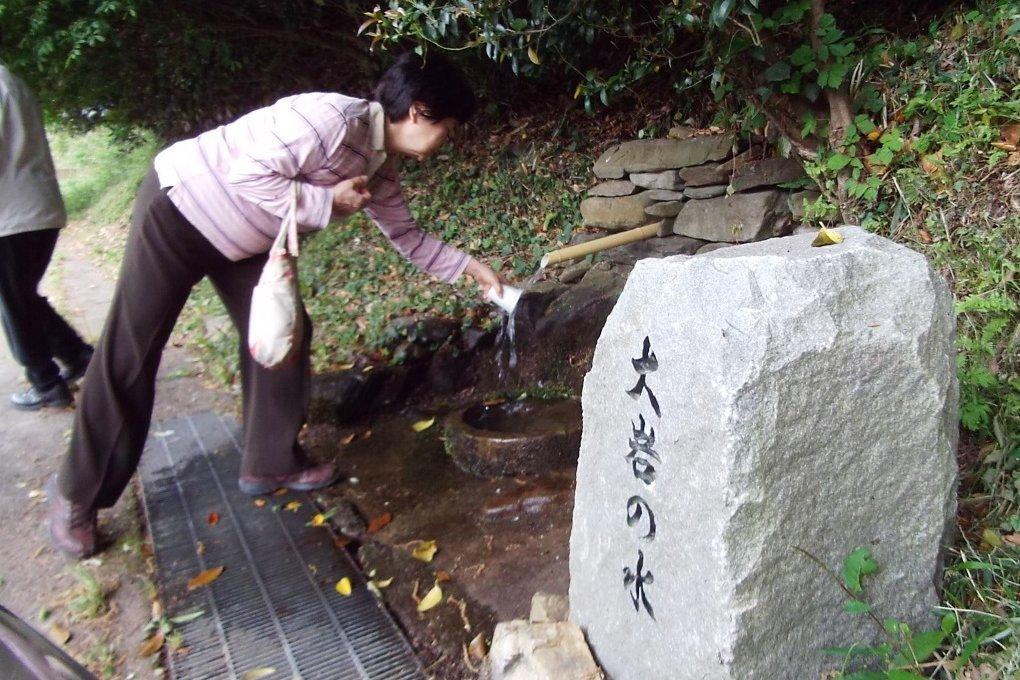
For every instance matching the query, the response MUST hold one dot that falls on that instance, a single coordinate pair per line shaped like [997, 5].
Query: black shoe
[76, 369]
[34, 399]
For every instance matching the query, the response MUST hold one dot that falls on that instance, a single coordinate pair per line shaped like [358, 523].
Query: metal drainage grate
[274, 605]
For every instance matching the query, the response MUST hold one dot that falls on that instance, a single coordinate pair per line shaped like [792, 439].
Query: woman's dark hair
[433, 81]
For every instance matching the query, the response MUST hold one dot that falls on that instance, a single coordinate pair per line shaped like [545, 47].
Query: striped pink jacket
[234, 182]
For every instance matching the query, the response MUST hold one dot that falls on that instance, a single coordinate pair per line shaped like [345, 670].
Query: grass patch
[89, 598]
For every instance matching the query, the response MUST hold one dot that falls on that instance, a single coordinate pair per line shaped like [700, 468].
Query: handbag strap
[287, 237]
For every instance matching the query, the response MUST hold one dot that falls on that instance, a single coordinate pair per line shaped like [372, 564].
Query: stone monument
[746, 405]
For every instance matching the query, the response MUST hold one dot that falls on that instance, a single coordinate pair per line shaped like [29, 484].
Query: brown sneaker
[310, 478]
[72, 526]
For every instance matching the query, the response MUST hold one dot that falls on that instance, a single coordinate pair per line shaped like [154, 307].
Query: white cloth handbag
[276, 321]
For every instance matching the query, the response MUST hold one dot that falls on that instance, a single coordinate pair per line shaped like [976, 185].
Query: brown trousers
[165, 257]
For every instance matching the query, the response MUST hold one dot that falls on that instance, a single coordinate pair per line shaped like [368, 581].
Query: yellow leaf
[874, 134]
[260, 502]
[318, 520]
[383, 583]
[434, 597]
[425, 551]
[577, 91]
[292, 506]
[992, 538]
[343, 586]
[346, 367]
[59, 634]
[205, 578]
[259, 673]
[423, 425]
[151, 646]
[827, 237]
[533, 56]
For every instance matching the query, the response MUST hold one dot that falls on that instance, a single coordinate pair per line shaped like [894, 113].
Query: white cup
[508, 301]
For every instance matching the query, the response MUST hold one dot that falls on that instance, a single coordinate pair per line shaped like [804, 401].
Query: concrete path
[104, 603]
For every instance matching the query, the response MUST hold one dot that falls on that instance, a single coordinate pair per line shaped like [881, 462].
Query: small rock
[548, 608]
[654, 247]
[665, 209]
[615, 214]
[680, 132]
[711, 191]
[541, 651]
[705, 175]
[709, 247]
[575, 271]
[767, 172]
[655, 155]
[798, 199]
[735, 219]
[669, 180]
[615, 187]
[666, 195]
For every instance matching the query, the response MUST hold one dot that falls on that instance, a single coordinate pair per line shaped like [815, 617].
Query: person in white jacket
[31, 216]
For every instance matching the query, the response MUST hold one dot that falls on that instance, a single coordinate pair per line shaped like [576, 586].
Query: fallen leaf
[478, 649]
[383, 583]
[318, 520]
[1010, 134]
[343, 586]
[205, 578]
[341, 542]
[827, 237]
[292, 506]
[348, 439]
[874, 134]
[187, 618]
[434, 597]
[213, 519]
[59, 633]
[379, 522]
[152, 645]
[346, 367]
[992, 538]
[258, 673]
[280, 492]
[1013, 159]
[924, 235]
[425, 551]
[157, 610]
[423, 425]
[366, 434]
[1005, 146]
[200, 548]
[35, 493]
[442, 576]
[1012, 539]
[260, 502]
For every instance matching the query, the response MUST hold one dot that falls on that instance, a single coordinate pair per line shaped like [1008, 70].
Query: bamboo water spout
[662, 228]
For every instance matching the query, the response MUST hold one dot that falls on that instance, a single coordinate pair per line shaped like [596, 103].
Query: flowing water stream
[507, 334]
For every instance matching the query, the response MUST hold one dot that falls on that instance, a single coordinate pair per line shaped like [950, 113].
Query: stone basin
[522, 437]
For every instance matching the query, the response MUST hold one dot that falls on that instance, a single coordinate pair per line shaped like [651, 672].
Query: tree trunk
[840, 116]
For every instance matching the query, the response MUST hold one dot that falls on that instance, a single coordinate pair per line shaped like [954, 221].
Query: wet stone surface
[500, 540]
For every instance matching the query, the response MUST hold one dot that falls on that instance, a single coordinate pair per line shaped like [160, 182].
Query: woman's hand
[351, 195]
[485, 277]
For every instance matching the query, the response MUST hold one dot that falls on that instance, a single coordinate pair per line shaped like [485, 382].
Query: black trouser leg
[35, 332]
